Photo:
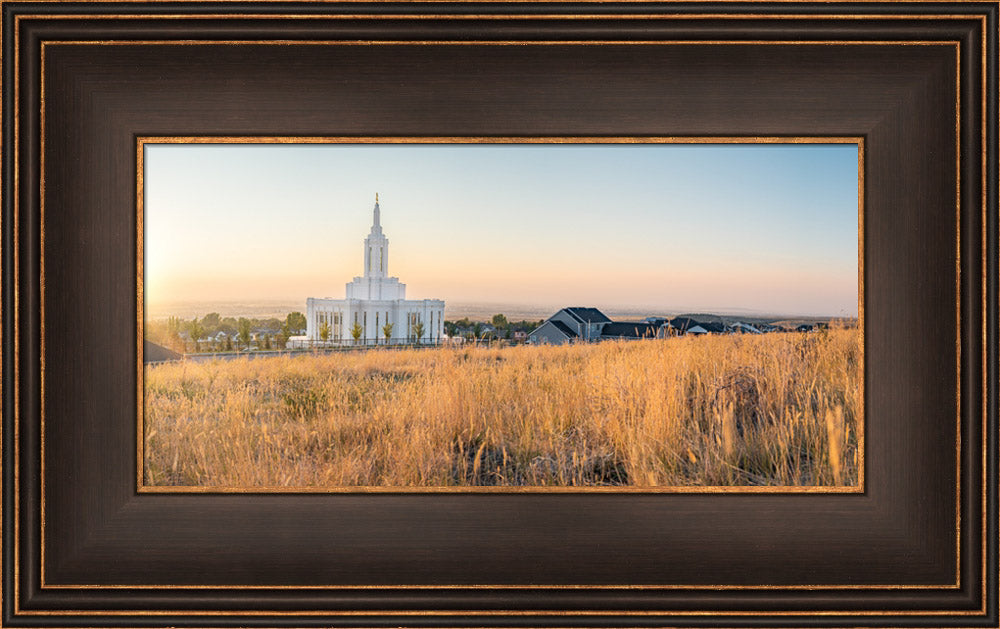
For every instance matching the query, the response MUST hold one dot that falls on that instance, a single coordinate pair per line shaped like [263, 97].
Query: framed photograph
[498, 384]
[690, 317]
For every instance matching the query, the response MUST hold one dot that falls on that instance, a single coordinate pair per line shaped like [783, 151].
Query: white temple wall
[341, 314]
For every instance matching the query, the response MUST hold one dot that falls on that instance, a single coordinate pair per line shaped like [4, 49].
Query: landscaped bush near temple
[775, 409]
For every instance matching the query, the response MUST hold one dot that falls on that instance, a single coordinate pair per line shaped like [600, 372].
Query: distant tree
[267, 341]
[387, 331]
[324, 331]
[271, 324]
[508, 333]
[499, 321]
[418, 330]
[243, 327]
[281, 340]
[211, 321]
[229, 344]
[450, 328]
[356, 332]
[296, 321]
[174, 333]
[196, 330]
[477, 329]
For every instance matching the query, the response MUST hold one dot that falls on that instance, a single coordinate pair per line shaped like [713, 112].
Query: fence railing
[309, 345]
[398, 343]
[361, 342]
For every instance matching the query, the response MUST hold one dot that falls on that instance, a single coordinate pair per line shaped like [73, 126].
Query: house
[575, 323]
[552, 332]
[625, 330]
[585, 322]
[713, 327]
[679, 326]
[578, 324]
[744, 328]
[153, 353]
[683, 325]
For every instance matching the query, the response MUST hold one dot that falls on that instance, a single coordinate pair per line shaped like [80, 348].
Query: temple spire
[378, 221]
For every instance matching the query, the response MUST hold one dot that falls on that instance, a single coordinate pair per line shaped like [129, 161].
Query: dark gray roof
[587, 315]
[626, 329]
[564, 328]
[153, 353]
[713, 326]
[686, 323]
[683, 323]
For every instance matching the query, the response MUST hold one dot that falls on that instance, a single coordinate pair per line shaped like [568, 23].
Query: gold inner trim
[488, 42]
[958, 315]
[140, 242]
[17, 310]
[141, 142]
[502, 16]
[984, 271]
[41, 306]
[505, 612]
[718, 140]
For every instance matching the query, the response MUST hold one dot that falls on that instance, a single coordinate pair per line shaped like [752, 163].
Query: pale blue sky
[759, 227]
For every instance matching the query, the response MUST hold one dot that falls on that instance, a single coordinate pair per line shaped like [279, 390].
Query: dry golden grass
[777, 409]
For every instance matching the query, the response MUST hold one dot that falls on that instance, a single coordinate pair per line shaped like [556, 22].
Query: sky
[763, 228]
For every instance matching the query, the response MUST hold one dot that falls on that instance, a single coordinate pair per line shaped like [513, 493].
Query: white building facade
[372, 301]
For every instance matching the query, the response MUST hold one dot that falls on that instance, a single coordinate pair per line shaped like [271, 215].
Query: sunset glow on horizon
[770, 228]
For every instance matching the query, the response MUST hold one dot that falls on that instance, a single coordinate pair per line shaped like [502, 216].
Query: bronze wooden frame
[83, 81]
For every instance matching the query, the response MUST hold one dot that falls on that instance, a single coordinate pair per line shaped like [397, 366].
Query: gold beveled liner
[141, 142]
[774, 16]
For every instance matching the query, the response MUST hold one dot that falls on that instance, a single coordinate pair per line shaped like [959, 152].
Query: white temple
[372, 301]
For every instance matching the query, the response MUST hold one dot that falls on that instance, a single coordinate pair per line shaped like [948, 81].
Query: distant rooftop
[153, 353]
[629, 329]
[587, 315]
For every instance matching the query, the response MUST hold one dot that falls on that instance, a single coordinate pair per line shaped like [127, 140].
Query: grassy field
[776, 409]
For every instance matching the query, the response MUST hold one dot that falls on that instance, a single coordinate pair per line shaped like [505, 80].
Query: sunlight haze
[755, 227]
